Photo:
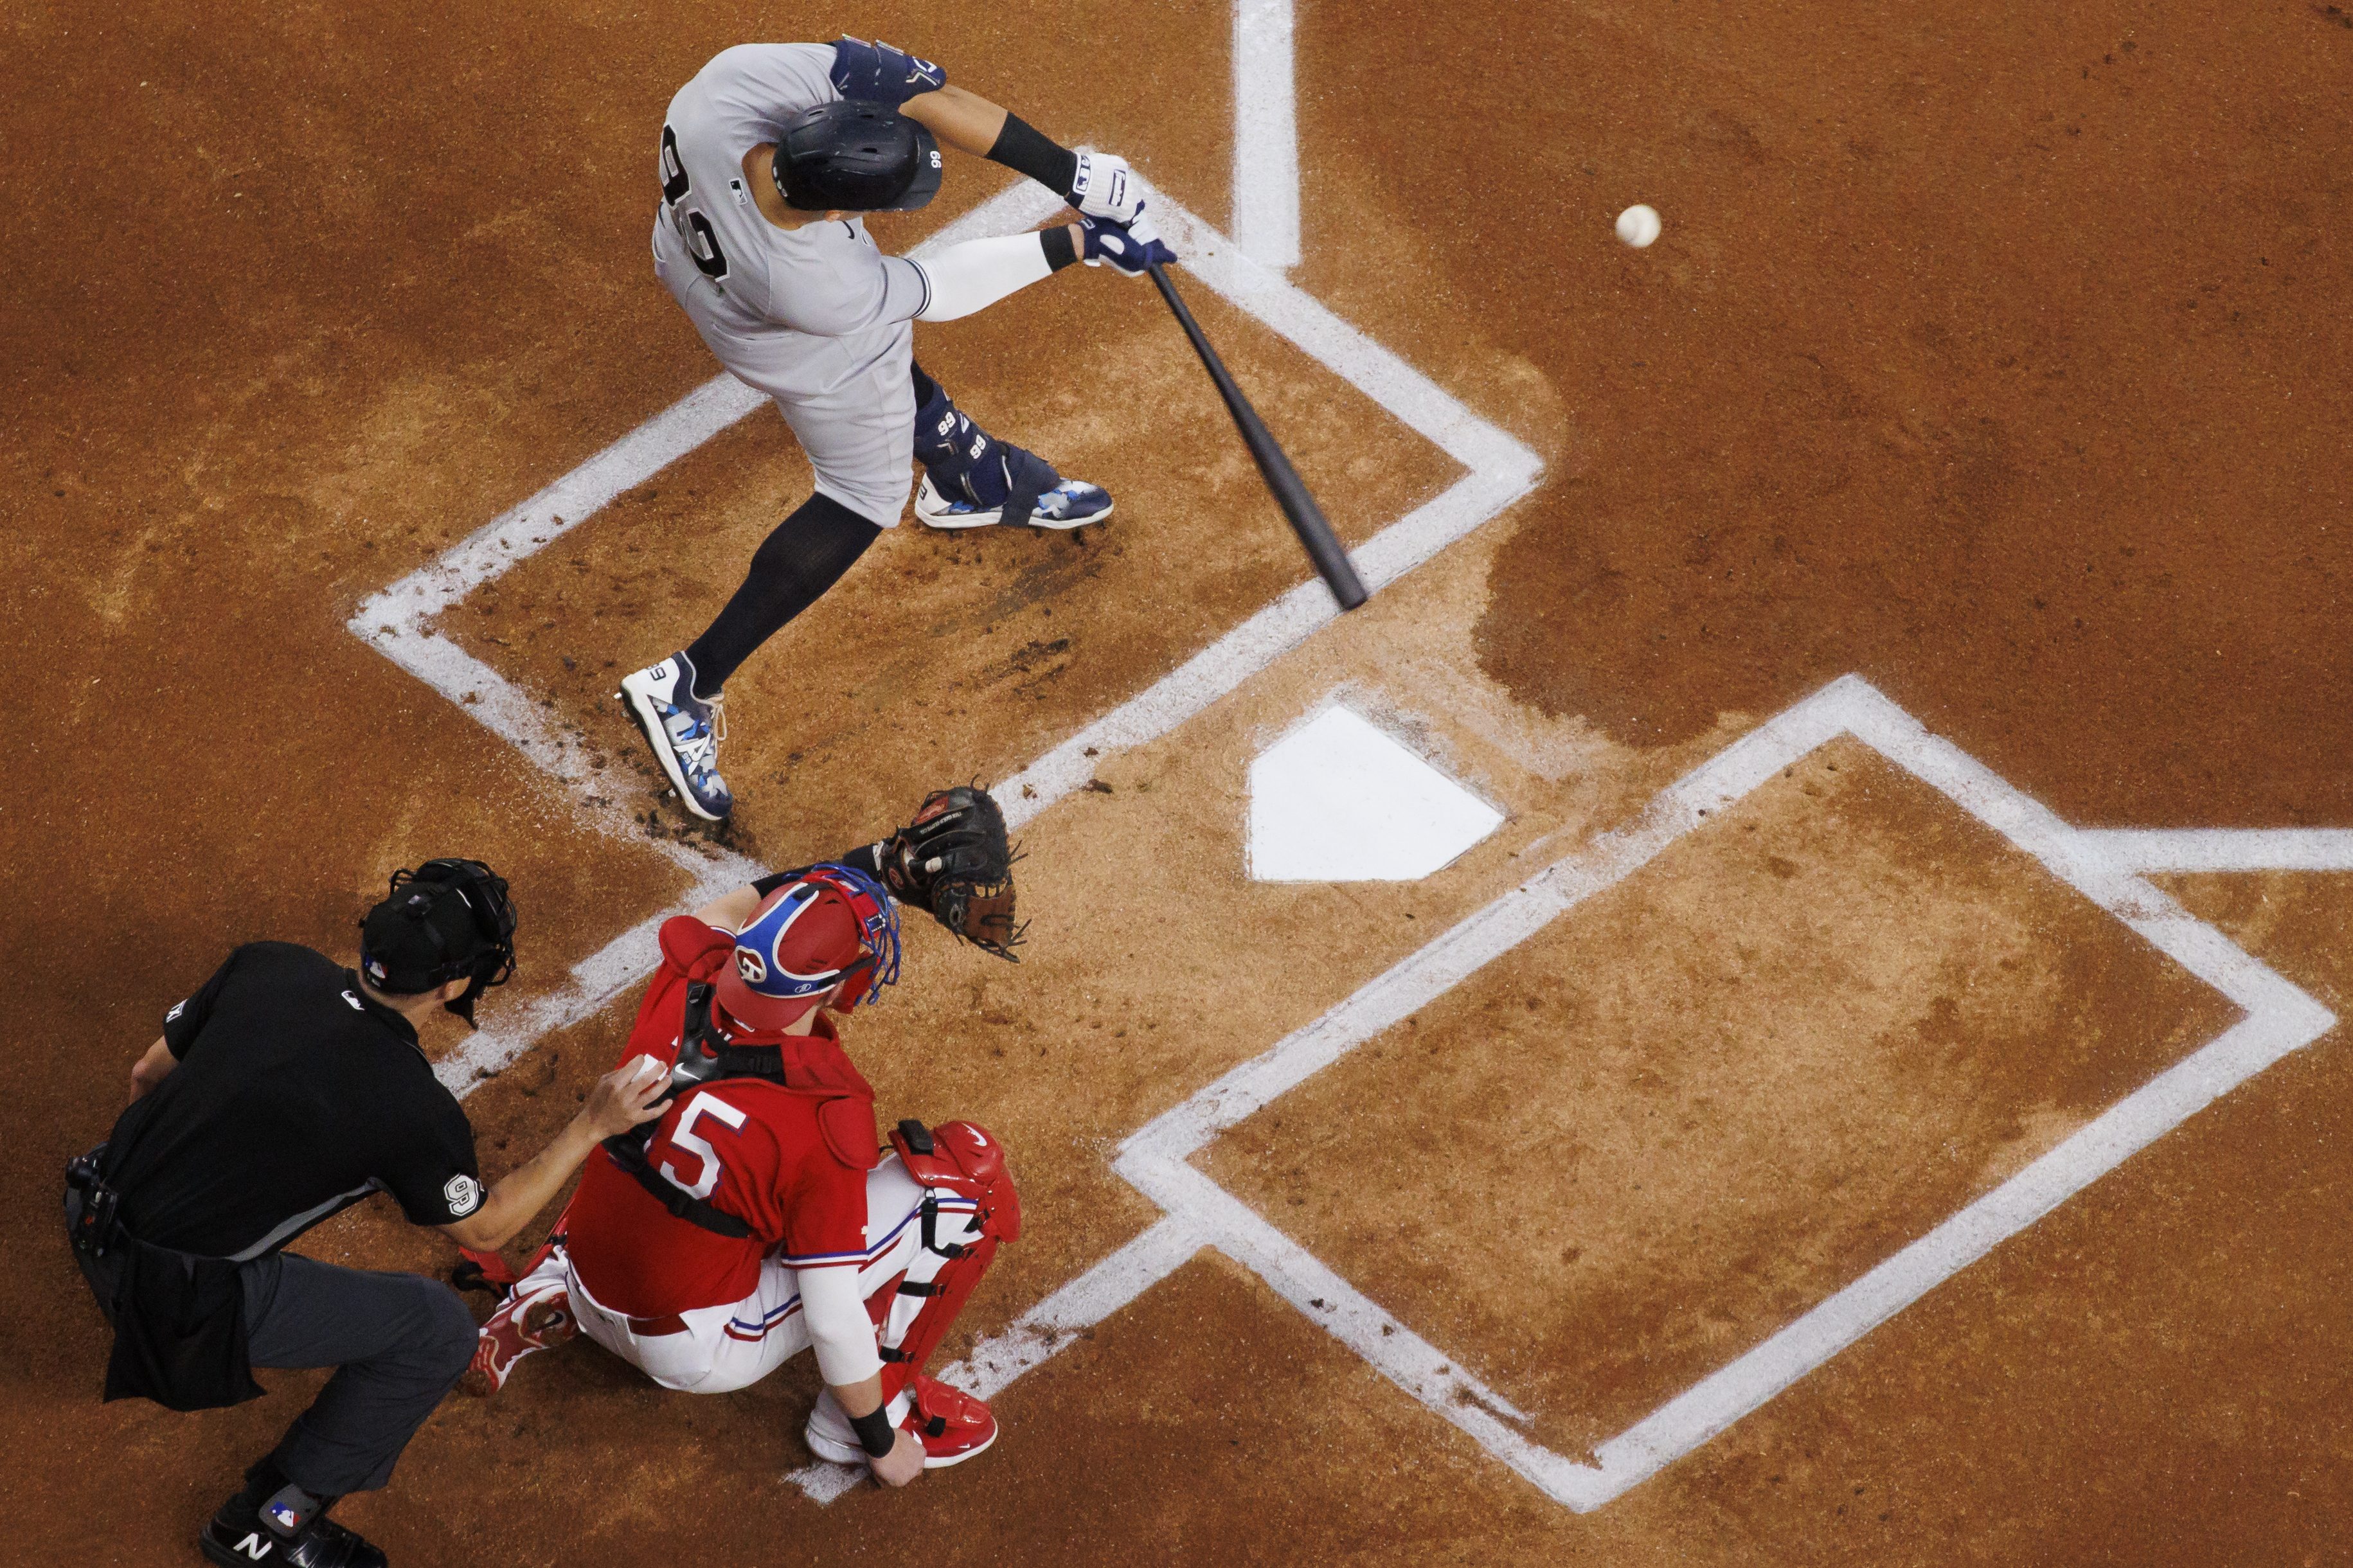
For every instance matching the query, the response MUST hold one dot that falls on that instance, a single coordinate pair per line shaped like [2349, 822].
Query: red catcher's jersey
[762, 1151]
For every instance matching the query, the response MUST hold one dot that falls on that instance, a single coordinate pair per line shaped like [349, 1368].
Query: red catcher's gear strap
[964, 1159]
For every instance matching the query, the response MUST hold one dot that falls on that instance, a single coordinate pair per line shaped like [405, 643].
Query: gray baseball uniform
[817, 316]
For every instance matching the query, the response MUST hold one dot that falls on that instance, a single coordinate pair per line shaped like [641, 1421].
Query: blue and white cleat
[1072, 503]
[684, 732]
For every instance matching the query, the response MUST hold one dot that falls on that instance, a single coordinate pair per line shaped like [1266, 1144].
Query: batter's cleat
[683, 730]
[535, 1318]
[952, 1425]
[1072, 503]
[238, 1536]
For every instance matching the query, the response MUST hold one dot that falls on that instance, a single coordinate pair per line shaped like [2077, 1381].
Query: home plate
[1340, 800]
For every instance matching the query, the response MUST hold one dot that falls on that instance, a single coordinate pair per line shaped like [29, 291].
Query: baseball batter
[768, 158]
[755, 1219]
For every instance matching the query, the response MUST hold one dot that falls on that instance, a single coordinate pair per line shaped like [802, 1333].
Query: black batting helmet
[856, 157]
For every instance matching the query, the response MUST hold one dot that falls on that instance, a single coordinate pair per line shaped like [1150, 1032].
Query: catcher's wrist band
[1022, 148]
[873, 1429]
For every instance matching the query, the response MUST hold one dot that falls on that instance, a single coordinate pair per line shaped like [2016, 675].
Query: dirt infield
[1817, 1028]
[2002, 361]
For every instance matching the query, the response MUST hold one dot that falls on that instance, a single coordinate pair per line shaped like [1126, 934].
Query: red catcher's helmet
[830, 926]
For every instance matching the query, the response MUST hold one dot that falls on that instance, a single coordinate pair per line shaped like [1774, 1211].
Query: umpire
[285, 1090]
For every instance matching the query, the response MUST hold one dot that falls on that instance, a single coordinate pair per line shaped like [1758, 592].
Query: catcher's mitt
[955, 861]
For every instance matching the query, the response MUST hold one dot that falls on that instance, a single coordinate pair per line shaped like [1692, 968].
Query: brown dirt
[855, 702]
[1666, 1126]
[2000, 358]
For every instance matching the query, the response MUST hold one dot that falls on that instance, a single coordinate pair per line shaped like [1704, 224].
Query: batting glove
[1105, 186]
[1129, 248]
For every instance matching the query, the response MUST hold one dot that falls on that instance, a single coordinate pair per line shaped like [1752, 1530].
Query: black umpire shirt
[295, 1097]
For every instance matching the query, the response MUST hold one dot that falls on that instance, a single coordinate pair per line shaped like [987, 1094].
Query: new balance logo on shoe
[256, 1546]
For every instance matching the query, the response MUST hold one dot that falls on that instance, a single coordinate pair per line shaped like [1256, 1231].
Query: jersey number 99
[694, 230]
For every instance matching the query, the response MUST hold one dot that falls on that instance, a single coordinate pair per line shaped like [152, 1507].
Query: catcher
[754, 1219]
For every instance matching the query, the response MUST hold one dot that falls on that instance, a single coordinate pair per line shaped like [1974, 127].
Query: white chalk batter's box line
[2279, 1018]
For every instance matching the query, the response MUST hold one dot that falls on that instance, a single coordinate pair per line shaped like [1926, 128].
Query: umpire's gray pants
[399, 1343]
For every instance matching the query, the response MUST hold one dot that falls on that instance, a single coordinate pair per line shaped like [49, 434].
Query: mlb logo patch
[283, 1517]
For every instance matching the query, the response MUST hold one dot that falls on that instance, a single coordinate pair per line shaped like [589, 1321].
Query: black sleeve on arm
[432, 1170]
[188, 1017]
[865, 858]
[1060, 251]
[1023, 149]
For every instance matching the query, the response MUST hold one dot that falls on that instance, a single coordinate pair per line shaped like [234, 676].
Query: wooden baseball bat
[1324, 546]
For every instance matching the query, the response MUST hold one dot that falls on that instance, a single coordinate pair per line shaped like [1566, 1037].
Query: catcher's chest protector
[846, 1121]
[962, 1163]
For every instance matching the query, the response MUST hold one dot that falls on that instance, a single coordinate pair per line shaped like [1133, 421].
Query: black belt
[96, 1226]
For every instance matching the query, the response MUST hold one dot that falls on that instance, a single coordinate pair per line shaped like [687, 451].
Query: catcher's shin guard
[969, 1206]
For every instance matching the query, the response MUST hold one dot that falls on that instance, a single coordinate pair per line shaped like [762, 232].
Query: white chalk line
[1501, 470]
[1034, 1338]
[2226, 849]
[2281, 1018]
[394, 621]
[1266, 133]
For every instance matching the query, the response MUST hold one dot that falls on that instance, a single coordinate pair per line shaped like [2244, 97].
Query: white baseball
[1637, 225]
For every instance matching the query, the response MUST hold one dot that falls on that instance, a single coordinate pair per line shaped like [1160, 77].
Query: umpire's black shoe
[239, 1538]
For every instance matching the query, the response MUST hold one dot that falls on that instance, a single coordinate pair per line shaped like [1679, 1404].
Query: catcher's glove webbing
[955, 861]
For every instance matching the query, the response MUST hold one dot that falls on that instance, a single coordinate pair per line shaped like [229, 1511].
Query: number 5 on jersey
[694, 230]
[684, 1136]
